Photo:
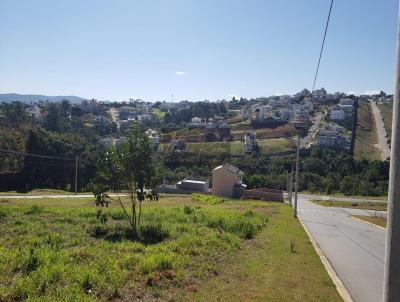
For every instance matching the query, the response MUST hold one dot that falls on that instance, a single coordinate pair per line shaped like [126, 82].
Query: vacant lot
[387, 113]
[61, 249]
[366, 136]
[268, 146]
[362, 205]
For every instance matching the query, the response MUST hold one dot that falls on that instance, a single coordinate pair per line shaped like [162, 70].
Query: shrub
[3, 213]
[153, 233]
[101, 216]
[207, 199]
[98, 231]
[31, 262]
[188, 209]
[33, 210]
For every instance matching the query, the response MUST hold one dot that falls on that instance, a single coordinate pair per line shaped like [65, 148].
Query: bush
[186, 209]
[207, 199]
[98, 231]
[153, 233]
[101, 216]
[3, 213]
[33, 210]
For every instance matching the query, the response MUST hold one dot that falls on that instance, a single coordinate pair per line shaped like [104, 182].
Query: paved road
[382, 136]
[354, 249]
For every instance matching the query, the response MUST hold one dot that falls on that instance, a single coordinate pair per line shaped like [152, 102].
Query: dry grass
[387, 113]
[361, 205]
[366, 134]
[379, 221]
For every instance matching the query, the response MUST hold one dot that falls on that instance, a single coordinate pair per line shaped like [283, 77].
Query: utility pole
[76, 175]
[391, 283]
[296, 185]
[290, 187]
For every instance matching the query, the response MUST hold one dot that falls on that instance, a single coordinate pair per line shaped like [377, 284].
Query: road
[382, 136]
[316, 120]
[355, 249]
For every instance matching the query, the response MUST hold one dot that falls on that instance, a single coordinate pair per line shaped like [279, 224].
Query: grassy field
[387, 112]
[366, 136]
[379, 221]
[362, 205]
[187, 250]
[269, 146]
[39, 192]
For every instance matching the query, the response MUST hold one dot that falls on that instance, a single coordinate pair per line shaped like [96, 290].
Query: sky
[194, 49]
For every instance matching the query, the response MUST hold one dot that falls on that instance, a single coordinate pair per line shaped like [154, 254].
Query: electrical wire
[35, 155]
[322, 46]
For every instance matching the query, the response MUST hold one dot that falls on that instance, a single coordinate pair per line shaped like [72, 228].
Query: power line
[322, 46]
[35, 155]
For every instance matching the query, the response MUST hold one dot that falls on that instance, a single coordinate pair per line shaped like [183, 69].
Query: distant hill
[28, 98]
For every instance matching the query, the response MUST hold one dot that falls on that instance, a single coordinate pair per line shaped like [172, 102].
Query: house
[337, 114]
[154, 138]
[195, 120]
[193, 185]
[227, 181]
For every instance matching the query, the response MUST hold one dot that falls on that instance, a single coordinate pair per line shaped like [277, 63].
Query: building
[227, 181]
[332, 137]
[337, 114]
[154, 138]
[195, 120]
[193, 185]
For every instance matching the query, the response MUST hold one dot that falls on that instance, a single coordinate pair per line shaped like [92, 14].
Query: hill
[27, 98]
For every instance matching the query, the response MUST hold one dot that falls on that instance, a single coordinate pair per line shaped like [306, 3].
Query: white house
[195, 120]
[226, 179]
[337, 114]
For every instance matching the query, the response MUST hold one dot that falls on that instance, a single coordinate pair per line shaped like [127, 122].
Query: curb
[367, 222]
[342, 290]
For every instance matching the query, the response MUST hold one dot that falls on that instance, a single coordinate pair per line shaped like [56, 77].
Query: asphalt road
[355, 249]
[382, 136]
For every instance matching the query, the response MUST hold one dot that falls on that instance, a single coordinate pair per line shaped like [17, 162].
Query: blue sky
[194, 49]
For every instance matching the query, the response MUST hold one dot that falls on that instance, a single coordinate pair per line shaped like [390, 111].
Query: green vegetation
[362, 205]
[366, 135]
[379, 221]
[387, 113]
[72, 254]
[210, 199]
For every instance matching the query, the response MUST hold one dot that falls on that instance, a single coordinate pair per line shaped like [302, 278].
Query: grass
[38, 192]
[362, 205]
[366, 134]
[269, 146]
[57, 249]
[379, 221]
[387, 113]
[382, 198]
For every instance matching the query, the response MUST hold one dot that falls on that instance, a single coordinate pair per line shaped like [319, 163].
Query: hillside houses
[333, 137]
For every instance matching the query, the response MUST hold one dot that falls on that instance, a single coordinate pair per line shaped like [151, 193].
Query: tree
[133, 166]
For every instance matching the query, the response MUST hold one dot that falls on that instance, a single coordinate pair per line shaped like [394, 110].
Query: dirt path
[382, 137]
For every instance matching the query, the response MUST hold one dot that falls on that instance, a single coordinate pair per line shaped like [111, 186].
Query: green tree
[133, 166]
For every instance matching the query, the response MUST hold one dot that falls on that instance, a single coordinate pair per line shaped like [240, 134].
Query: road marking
[342, 290]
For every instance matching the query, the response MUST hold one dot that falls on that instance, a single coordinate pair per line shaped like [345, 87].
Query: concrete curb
[342, 290]
[367, 222]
